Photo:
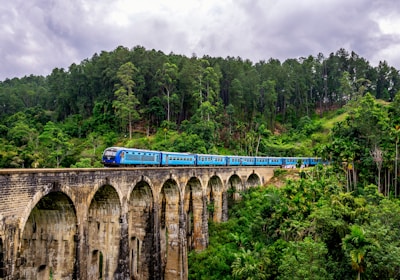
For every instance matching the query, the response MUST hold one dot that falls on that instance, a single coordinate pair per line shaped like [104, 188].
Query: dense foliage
[147, 99]
[311, 228]
[365, 144]
[339, 222]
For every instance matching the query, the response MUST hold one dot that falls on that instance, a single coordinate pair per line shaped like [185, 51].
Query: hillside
[145, 98]
[307, 228]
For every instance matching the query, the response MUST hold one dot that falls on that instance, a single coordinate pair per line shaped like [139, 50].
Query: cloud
[40, 35]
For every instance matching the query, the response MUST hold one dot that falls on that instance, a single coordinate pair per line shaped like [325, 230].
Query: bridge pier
[122, 223]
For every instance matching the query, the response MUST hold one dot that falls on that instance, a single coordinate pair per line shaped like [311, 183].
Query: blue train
[119, 156]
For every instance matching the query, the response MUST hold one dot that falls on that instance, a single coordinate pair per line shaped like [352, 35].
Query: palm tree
[357, 244]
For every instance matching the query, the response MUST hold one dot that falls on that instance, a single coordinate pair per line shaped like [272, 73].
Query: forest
[147, 99]
[334, 222]
[309, 228]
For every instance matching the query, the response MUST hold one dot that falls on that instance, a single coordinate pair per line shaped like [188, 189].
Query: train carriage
[211, 160]
[315, 161]
[118, 156]
[262, 161]
[233, 160]
[291, 162]
[109, 157]
[275, 161]
[240, 160]
[171, 158]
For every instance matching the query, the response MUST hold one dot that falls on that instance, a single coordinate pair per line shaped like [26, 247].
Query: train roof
[210, 155]
[130, 149]
[177, 153]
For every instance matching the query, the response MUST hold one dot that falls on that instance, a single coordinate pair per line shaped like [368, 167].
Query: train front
[109, 157]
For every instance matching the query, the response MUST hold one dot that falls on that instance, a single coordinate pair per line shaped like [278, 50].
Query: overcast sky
[37, 36]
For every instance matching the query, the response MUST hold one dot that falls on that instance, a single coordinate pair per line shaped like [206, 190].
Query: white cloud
[40, 35]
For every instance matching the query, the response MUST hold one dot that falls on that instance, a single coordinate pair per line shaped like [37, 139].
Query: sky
[37, 36]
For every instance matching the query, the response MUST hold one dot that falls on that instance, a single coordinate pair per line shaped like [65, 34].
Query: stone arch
[104, 233]
[44, 191]
[141, 231]
[214, 199]
[169, 229]
[193, 209]
[106, 183]
[48, 248]
[234, 187]
[253, 181]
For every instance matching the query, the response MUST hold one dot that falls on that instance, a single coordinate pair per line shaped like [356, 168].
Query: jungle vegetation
[147, 99]
[310, 228]
[335, 222]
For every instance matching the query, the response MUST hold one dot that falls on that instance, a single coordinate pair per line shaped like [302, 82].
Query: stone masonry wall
[118, 223]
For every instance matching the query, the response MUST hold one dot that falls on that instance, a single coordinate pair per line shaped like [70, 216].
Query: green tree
[126, 102]
[167, 81]
[305, 259]
[55, 145]
[346, 87]
[356, 245]
[270, 98]
[251, 264]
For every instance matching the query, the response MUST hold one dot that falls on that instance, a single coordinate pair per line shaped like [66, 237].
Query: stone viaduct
[112, 223]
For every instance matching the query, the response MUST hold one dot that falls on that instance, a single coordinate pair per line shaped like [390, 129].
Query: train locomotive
[120, 156]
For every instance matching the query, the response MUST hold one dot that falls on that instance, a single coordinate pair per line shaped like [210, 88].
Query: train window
[109, 153]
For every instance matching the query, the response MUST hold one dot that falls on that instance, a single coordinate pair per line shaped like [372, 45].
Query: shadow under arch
[104, 233]
[170, 245]
[253, 181]
[141, 232]
[2, 265]
[234, 187]
[48, 248]
[214, 199]
[193, 209]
